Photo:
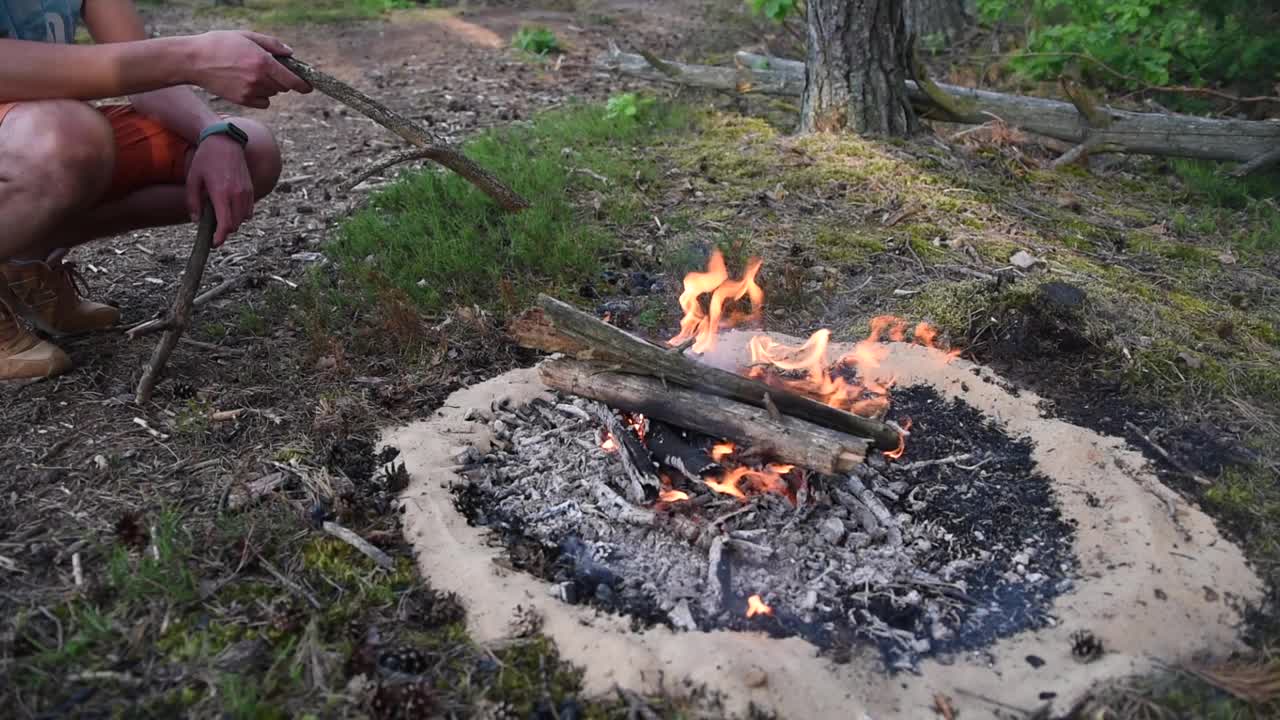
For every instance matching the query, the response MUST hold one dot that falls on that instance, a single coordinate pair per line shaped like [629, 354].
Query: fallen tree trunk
[558, 327]
[786, 439]
[1105, 129]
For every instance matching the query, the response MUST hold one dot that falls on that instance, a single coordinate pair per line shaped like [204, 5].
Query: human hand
[239, 66]
[220, 173]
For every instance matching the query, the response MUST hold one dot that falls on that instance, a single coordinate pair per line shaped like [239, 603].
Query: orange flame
[725, 487]
[722, 450]
[768, 480]
[673, 495]
[608, 444]
[757, 606]
[902, 443]
[702, 325]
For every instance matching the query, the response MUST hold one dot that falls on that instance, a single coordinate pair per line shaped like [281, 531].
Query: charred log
[789, 439]
[671, 450]
[584, 337]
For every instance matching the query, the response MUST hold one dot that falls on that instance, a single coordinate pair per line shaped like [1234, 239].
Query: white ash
[848, 554]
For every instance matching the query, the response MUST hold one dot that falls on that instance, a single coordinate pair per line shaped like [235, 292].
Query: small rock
[682, 618]
[1034, 577]
[1023, 260]
[328, 362]
[1190, 360]
[755, 678]
[100, 463]
[1021, 558]
[1035, 661]
[1226, 258]
[832, 530]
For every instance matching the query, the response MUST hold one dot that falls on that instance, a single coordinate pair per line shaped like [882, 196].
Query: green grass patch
[536, 40]
[438, 240]
[301, 12]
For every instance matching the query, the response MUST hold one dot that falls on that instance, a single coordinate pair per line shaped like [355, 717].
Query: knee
[65, 149]
[262, 155]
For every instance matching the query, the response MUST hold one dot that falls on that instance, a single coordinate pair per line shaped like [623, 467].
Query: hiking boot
[23, 356]
[54, 293]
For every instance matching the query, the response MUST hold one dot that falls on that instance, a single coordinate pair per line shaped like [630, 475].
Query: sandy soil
[1157, 580]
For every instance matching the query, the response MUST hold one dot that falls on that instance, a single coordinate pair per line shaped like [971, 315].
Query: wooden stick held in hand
[180, 316]
[431, 147]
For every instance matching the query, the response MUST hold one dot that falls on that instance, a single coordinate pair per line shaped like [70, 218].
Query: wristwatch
[224, 128]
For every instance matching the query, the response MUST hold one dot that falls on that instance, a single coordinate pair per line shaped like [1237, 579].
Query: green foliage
[1148, 42]
[440, 241]
[161, 571]
[537, 40]
[628, 106]
[777, 10]
[296, 12]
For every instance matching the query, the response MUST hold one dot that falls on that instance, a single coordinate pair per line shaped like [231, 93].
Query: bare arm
[176, 107]
[43, 71]
[235, 65]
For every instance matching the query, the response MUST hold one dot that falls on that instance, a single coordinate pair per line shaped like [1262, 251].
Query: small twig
[293, 587]
[963, 457]
[374, 169]
[118, 677]
[77, 572]
[1164, 455]
[1261, 162]
[679, 349]
[180, 316]
[382, 559]
[432, 148]
[213, 293]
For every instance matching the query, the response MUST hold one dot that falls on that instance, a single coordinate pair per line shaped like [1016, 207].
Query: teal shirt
[40, 20]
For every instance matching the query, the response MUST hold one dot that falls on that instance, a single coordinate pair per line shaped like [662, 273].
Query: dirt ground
[137, 573]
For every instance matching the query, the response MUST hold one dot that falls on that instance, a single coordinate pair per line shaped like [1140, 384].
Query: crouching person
[71, 173]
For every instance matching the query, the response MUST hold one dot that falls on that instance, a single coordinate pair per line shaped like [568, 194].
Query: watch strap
[224, 128]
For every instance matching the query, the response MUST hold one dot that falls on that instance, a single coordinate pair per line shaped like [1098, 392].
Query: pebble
[832, 530]
[756, 677]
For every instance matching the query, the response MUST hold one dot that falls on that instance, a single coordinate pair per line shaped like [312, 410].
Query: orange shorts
[147, 153]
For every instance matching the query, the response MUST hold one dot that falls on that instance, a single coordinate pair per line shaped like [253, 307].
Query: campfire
[724, 478]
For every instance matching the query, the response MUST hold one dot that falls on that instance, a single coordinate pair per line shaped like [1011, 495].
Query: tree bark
[937, 17]
[859, 60]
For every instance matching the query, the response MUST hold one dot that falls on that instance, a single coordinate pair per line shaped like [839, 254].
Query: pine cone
[407, 660]
[404, 701]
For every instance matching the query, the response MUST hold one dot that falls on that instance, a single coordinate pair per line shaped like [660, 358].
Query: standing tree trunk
[859, 57]
[947, 18]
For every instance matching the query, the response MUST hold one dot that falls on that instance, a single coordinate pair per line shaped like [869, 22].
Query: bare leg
[56, 159]
[162, 205]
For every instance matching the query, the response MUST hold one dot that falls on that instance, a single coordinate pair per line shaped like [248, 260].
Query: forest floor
[142, 577]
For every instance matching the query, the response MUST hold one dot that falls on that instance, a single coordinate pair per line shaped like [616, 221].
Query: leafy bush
[628, 106]
[1148, 42]
[778, 10]
[536, 40]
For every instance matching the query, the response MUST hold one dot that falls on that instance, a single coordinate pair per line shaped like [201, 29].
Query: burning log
[788, 439]
[635, 457]
[558, 327]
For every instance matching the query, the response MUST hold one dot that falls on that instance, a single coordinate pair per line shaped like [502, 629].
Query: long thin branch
[432, 148]
[180, 316]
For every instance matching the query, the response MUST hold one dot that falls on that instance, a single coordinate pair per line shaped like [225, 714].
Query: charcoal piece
[670, 449]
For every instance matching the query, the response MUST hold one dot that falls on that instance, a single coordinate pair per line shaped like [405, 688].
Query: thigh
[147, 153]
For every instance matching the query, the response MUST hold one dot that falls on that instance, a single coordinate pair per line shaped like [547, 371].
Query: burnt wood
[559, 327]
[673, 451]
[789, 439]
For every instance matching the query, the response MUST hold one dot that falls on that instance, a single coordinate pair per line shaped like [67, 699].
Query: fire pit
[776, 518]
